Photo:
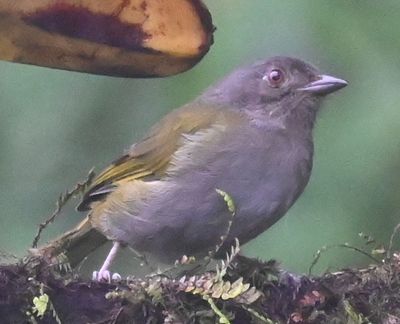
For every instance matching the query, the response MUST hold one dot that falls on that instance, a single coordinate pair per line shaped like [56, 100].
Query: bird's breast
[265, 178]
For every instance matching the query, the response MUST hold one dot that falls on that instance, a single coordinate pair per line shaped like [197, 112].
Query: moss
[241, 291]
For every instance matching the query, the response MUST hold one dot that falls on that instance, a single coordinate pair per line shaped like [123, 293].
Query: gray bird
[247, 139]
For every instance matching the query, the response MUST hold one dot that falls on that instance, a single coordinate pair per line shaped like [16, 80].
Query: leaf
[40, 304]
[228, 200]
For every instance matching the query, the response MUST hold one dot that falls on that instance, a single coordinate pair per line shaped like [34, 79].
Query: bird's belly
[193, 217]
[262, 198]
[268, 200]
[188, 216]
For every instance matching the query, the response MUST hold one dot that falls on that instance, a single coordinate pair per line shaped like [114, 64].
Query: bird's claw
[185, 260]
[106, 276]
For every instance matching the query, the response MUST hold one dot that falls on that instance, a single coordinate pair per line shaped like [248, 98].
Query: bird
[247, 140]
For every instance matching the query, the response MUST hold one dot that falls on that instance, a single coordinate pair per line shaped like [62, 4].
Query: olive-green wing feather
[149, 158]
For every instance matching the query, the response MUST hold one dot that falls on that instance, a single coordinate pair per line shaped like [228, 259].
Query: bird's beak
[324, 85]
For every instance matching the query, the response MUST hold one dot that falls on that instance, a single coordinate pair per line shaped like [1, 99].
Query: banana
[125, 38]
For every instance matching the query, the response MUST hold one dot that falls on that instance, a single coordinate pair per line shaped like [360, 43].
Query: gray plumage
[250, 136]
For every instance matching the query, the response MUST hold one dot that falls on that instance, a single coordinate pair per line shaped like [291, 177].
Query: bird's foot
[185, 260]
[103, 275]
[106, 276]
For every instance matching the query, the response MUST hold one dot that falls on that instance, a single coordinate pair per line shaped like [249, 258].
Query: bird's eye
[275, 78]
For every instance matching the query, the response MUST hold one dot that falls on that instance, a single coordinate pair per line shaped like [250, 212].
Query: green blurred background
[56, 125]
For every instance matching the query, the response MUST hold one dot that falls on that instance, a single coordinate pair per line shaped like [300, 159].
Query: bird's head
[277, 86]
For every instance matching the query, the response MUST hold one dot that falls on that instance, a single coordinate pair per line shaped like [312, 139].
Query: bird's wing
[149, 158]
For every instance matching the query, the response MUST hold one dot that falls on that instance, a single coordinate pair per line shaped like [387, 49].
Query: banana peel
[125, 38]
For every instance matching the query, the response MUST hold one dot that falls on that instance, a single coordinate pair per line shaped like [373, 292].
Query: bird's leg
[104, 274]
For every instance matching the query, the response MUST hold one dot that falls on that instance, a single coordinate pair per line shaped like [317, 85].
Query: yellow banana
[128, 38]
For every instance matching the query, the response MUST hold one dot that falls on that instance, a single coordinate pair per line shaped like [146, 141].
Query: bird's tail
[75, 244]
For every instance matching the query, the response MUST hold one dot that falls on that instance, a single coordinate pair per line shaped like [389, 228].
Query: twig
[257, 315]
[318, 254]
[222, 317]
[61, 202]
[7, 255]
[391, 242]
